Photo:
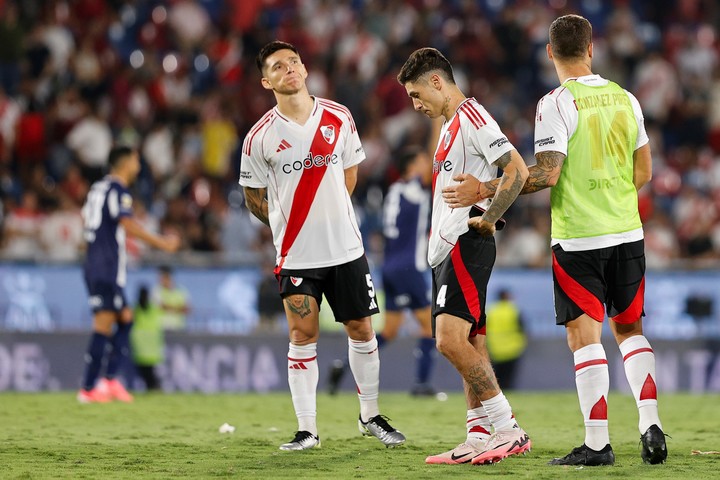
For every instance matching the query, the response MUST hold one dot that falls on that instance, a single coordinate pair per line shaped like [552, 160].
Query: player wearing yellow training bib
[592, 149]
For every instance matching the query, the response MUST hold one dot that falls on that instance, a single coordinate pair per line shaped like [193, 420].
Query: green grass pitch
[49, 435]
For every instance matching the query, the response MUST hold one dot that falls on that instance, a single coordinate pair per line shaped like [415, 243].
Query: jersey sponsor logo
[245, 175]
[545, 141]
[603, 183]
[310, 161]
[445, 165]
[328, 133]
[499, 142]
[296, 280]
[284, 145]
[126, 201]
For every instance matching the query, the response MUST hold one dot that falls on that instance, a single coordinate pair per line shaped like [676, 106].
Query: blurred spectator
[91, 139]
[158, 151]
[22, 226]
[9, 116]
[11, 47]
[172, 299]
[506, 338]
[61, 232]
[147, 340]
[219, 139]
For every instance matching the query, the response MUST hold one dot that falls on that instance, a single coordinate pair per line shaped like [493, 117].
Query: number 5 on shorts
[371, 287]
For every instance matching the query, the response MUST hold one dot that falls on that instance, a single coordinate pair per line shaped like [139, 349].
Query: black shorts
[592, 280]
[459, 283]
[348, 288]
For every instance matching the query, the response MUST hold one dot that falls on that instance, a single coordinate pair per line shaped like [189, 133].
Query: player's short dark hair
[118, 153]
[271, 48]
[406, 156]
[570, 36]
[422, 61]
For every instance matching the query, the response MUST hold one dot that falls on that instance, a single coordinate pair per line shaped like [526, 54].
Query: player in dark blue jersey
[107, 215]
[406, 215]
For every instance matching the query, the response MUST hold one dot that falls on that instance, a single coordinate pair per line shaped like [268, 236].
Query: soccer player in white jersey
[592, 149]
[461, 251]
[299, 167]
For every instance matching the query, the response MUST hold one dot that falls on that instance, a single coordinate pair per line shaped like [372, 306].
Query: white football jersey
[470, 142]
[303, 168]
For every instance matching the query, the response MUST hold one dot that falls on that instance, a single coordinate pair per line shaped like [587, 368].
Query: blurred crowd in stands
[176, 79]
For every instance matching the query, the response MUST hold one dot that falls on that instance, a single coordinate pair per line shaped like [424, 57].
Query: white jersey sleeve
[254, 166]
[553, 121]
[487, 142]
[353, 153]
[642, 136]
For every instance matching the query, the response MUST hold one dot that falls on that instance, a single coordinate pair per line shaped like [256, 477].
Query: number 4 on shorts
[441, 296]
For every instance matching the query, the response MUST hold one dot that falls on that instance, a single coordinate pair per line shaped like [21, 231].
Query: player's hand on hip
[462, 194]
[486, 229]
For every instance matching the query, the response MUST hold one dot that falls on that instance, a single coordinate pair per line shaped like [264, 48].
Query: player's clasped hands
[462, 194]
[486, 229]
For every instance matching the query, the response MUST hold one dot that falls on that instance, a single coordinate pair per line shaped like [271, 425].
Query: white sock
[639, 361]
[593, 383]
[478, 426]
[365, 365]
[499, 412]
[303, 379]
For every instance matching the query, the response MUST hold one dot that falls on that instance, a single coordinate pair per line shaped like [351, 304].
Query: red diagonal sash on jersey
[444, 145]
[323, 144]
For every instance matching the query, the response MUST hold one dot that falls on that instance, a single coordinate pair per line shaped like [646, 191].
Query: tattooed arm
[540, 176]
[257, 203]
[509, 185]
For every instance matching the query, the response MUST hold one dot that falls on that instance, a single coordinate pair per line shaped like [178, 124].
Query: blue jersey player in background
[406, 215]
[107, 216]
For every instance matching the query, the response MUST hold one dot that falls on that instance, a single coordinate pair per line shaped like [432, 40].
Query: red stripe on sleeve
[473, 108]
[474, 120]
[263, 121]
